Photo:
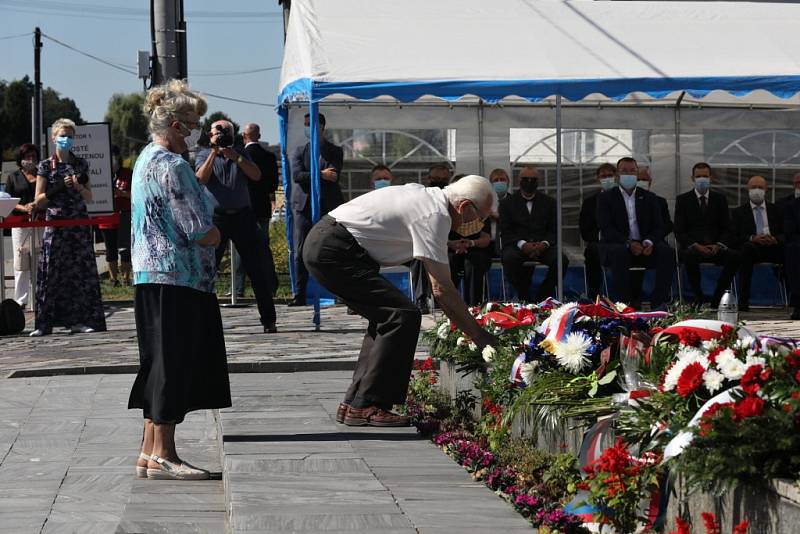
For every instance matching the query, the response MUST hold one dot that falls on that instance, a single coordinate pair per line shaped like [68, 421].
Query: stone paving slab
[116, 350]
[67, 466]
[288, 467]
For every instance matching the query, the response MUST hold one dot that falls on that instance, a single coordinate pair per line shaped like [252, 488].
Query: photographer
[225, 170]
[67, 285]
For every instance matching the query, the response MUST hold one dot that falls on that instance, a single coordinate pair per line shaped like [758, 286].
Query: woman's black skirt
[182, 361]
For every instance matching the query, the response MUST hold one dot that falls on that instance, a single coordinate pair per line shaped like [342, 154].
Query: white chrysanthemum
[488, 354]
[674, 373]
[472, 346]
[689, 355]
[710, 344]
[444, 330]
[752, 360]
[733, 369]
[528, 371]
[725, 357]
[744, 343]
[497, 330]
[620, 306]
[490, 306]
[461, 341]
[713, 380]
[571, 353]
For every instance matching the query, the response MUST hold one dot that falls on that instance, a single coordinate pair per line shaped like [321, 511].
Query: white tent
[515, 55]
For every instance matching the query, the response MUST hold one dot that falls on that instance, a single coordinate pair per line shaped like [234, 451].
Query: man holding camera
[225, 171]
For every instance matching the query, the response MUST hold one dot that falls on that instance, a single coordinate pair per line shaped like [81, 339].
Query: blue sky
[223, 37]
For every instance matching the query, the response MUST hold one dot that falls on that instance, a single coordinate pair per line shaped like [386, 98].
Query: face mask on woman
[64, 143]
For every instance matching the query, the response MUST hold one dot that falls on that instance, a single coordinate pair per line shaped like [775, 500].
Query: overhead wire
[91, 10]
[3, 38]
[235, 73]
[87, 54]
[123, 69]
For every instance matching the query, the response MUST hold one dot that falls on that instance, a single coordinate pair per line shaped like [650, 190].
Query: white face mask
[756, 196]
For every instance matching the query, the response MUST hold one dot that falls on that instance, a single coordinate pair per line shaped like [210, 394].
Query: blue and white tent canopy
[534, 49]
[530, 51]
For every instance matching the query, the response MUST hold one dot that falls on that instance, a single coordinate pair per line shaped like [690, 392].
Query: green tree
[56, 107]
[15, 111]
[128, 122]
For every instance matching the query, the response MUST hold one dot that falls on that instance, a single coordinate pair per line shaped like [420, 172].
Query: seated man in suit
[791, 228]
[528, 232]
[789, 199]
[606, 175]
[757, 233]
[331, 159]
[701, 224]
[632, 234]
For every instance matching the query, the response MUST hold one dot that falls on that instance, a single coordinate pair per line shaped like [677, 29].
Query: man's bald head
[251, 133]
[757, 182]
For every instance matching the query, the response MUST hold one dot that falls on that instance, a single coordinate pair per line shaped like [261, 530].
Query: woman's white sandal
[171, 471]
[141, 472]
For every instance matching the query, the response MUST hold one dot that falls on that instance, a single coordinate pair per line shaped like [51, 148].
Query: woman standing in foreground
[182, 363]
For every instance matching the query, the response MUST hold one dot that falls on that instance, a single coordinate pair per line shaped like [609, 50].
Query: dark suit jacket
[791, 221]
[664, 207]
[587, 220]
[516, 223]
[743, 225]
[259, 191]
[691, 227]
[330, 192]
[612, 217]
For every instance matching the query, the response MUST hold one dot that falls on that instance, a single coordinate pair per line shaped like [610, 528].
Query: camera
[224, 137]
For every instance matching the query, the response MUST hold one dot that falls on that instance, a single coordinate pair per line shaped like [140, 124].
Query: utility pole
[37, 91]
[168, 31]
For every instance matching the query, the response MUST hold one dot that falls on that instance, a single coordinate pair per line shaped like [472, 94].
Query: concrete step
[288, 467]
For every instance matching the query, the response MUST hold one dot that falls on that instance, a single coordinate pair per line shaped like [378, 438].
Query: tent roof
[534, 49]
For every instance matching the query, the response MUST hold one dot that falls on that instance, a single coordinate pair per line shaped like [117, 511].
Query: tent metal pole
[481, 165]
[559, 240]
[313, 122]
[678, 182]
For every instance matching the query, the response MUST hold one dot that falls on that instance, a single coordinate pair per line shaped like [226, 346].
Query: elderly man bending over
[391, 226]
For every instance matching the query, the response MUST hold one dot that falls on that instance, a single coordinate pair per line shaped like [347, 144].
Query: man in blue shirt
[225, 170]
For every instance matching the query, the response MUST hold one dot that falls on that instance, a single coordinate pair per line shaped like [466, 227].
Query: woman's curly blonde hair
[170, 102]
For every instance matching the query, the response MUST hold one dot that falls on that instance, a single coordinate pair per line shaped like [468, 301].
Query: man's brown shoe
[341, 412]
[374, 416]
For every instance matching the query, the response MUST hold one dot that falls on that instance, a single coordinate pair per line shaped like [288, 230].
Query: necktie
[704, 222]
[759, 220]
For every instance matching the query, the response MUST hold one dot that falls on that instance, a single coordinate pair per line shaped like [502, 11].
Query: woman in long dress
[67, 284]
